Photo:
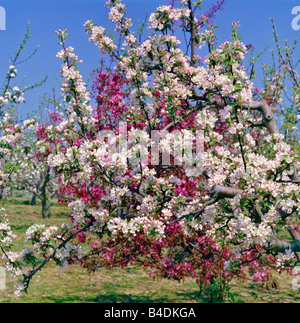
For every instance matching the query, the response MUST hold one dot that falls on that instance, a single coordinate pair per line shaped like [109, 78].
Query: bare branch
[282, 246]
[225, 192]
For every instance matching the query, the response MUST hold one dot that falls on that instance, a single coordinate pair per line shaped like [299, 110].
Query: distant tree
[19, 168]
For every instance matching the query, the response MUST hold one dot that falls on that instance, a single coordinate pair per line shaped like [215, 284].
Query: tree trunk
[46, 197]
[46, 206]
[33, 200]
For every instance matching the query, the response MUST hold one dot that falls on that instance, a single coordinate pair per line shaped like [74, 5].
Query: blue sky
[46, 16]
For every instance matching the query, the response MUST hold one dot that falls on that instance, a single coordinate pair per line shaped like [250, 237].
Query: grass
[131, 285]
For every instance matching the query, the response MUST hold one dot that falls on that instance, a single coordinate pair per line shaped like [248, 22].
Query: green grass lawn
[130, 285]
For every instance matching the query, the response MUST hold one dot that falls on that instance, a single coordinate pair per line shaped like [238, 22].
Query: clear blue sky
[46, 16]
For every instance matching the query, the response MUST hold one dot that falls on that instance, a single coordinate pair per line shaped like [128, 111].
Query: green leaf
[106, 178]
[172, 112]
[238, 87]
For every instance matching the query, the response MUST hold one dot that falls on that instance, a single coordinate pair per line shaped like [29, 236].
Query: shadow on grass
[114, 298]
[108, 298]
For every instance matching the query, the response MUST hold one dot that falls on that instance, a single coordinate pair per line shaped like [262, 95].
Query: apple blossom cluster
[97, 35]
[285, 260]
[11, 258]
[150, 227]
[117, 15]
[166, 14]
[73, 83]
[7, 235]
[116, 12]
[11, 95]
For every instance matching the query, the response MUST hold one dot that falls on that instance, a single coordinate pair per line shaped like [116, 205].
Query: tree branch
[225, 192]
[271, 125]
[282, 246]
[62, 245]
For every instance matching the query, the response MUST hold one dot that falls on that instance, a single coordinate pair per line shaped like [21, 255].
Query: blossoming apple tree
[282, 87]
[169, 169]
[20, 168]
[21, 165]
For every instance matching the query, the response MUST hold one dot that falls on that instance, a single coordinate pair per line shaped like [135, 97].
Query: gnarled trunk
[45, 195]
